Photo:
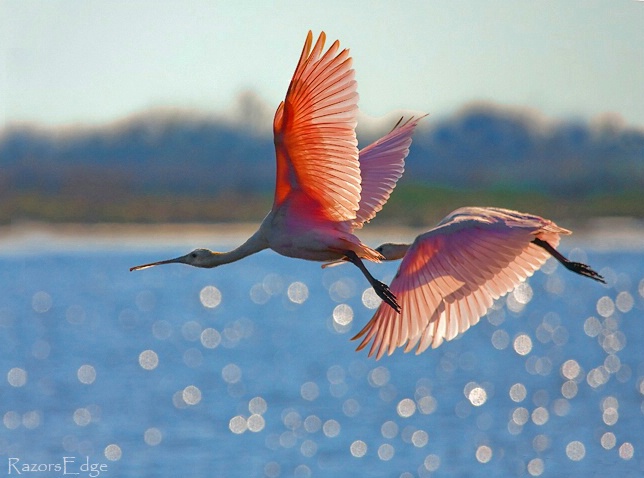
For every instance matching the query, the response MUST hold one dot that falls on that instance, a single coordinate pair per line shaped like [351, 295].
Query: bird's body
[316, 239]
[450, 275]
[325, 188]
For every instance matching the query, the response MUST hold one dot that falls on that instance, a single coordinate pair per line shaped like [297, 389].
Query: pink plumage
[450, 275]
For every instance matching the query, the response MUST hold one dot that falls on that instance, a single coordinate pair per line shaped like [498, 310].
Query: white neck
[254, 244]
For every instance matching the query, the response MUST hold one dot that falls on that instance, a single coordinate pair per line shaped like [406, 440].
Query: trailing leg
[381, 289]
[577, 267]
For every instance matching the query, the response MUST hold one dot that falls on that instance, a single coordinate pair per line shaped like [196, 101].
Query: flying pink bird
[325, 188]
[450, 275]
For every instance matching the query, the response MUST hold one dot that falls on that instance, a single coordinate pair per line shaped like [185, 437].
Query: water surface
[248, 370]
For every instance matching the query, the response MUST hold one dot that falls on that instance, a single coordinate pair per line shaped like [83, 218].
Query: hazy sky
[89, 61]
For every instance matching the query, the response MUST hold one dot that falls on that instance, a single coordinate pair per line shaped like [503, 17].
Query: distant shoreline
[598, 234]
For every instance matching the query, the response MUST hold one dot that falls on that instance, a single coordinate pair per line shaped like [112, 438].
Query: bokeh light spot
[419, 438]
[535, 467]
[624, 302]
[358, 448]
[378, 376]
[540, 416]
[237, 424]
[231, 373]
[312, 423]
[309, 391]
[82, 417]
[540, 443]
[343, 315]
[255, 423]
[569, 389]
[523, 293]
[331, 428]
[500, 339]
[302, 471]
[570, 369]
[152, 436]
[389, 429]
[41, 302]
[575, 450]
[191, 395]
[257, 405]
[370, 299]
[626, 451]
[483, 454]
[210, 297]
[520, 415]
[406, 407]
[592, 326]
[477, 396]
[86, 374]
[11, 420]
[308, 448]
[523, 344]
[608, 440]
[297, 292]
[113, 452]
[17, 377]
[351, 407]
[432, 462]
[427, 404]
[518, 392]
[605, 306]
[386, 452]
[31, 420]
[148, 359]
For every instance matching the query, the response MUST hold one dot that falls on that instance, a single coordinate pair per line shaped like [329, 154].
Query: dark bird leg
[577, 267]
[381, 289]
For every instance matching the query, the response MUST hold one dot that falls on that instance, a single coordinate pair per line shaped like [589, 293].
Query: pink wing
[451, 275]
[381, 165]
[314, 128]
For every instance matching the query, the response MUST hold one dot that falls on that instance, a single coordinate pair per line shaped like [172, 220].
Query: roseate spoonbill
[325, 188]
[450, 275]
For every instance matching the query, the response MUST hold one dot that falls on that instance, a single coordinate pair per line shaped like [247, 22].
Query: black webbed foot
[386, 295]
[584, 270]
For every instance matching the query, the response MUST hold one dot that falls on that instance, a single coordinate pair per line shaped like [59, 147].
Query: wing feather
[382, 163]
[314, 129]
[451, 275]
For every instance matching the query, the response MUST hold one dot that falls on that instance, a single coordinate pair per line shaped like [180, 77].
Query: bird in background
[450, 275]
[325, 188]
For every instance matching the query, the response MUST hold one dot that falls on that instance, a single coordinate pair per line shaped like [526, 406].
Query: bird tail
[550, 233]
[362, 251]
[370, 254]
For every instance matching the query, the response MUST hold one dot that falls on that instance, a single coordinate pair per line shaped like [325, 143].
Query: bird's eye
[194, 255]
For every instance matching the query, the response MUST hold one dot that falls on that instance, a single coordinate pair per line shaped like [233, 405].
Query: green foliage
[413, 205]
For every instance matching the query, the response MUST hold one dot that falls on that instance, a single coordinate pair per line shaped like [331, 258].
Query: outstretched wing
[381, 165]
[314, 128]
[451, 275]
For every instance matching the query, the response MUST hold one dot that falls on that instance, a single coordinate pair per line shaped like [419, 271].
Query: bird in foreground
[450, 275]
[325, 188]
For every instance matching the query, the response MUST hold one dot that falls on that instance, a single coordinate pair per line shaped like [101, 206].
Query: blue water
[175, 371]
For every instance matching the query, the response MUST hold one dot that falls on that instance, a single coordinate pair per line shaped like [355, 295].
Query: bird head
[196, 258]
